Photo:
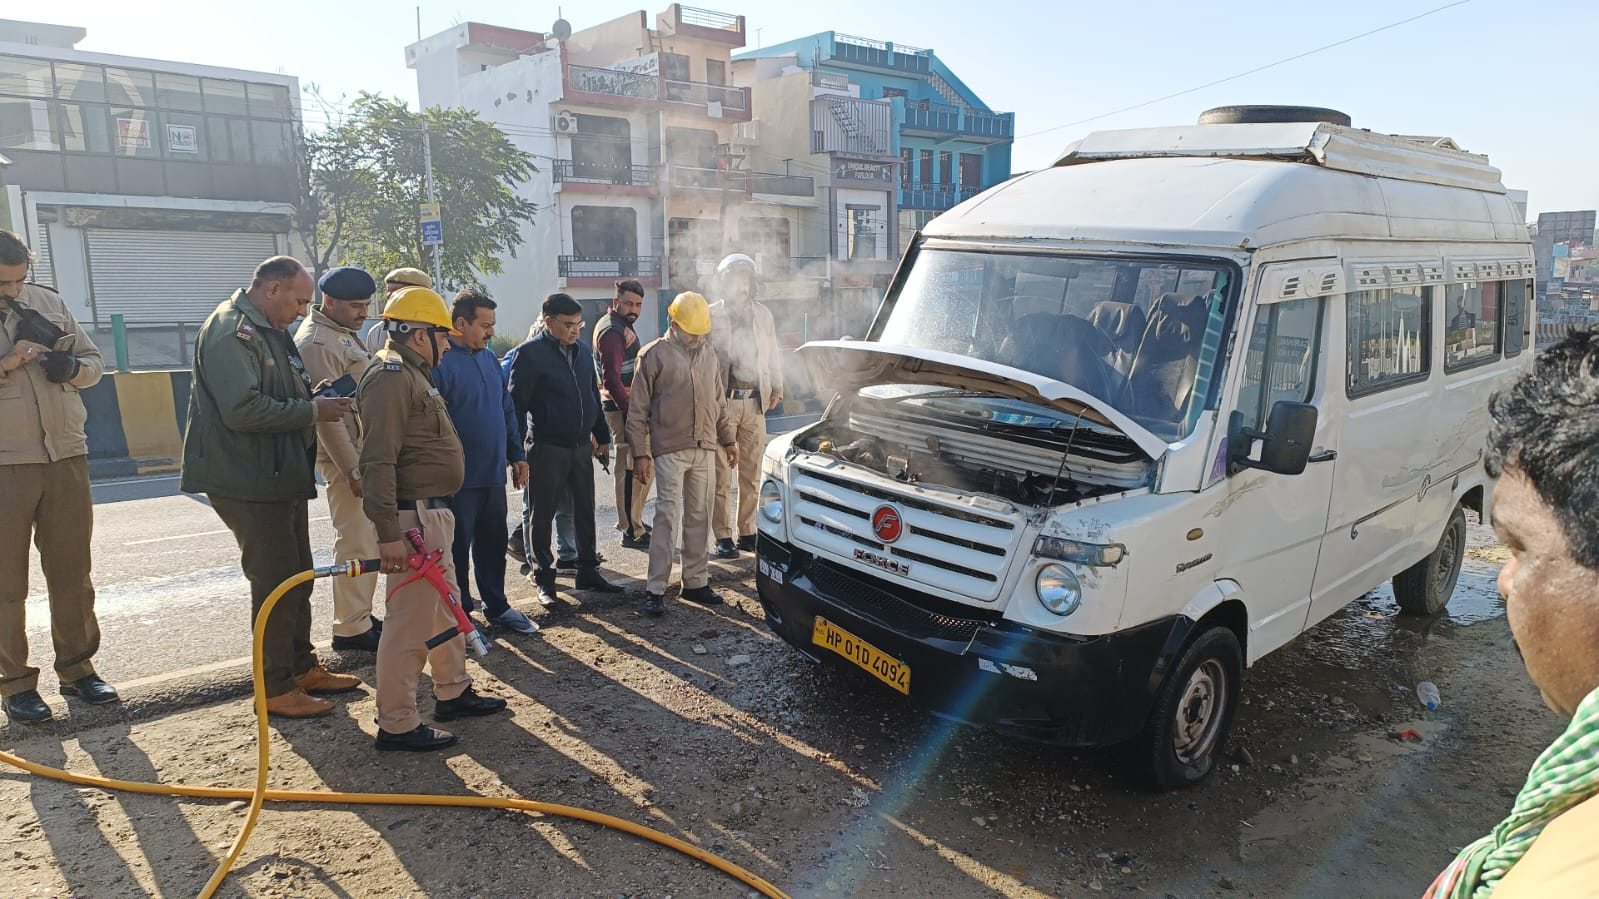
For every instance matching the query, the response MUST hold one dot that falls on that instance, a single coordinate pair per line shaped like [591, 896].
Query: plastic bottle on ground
[1427, 692]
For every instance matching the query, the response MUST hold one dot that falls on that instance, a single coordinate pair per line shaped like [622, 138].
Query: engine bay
[1028, 476]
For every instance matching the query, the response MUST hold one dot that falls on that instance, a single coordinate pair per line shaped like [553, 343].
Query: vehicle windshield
[1139, 333]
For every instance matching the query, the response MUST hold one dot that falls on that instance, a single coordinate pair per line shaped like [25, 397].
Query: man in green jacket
[250, 447]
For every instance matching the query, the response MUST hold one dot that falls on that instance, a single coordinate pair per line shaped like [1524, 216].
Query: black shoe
[631, 542]
[546, 590]
[366, 641]
[422, 739]
[27, 708]
[565, 564]
[727, 549]
[747, 543]
[91, 689]
[705, 596]
[591, 579]
[516, 547]
[377, 624]
[468, 705]
[654, 605]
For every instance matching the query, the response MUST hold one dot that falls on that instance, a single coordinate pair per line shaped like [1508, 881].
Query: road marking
[191, 536]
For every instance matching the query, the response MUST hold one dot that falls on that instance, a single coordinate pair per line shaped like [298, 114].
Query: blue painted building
[951, 145]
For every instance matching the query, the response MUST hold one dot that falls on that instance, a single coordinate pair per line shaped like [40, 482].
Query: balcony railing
[880, 54]
[581, 172]
[830, 81]
[613, 82]
[782, 185]
[609, 267]
[705, 24]
[811, 266]
[700, 178]
[944, 118]
[695, 93]
[934, 196]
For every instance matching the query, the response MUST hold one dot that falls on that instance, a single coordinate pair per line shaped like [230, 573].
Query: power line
[1257, 69]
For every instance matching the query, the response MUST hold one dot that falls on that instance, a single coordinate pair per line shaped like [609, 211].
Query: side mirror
[1284, 445]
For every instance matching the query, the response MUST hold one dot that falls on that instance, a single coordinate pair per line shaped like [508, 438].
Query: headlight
[771, 502]
[1058, 589]
[1094, 555]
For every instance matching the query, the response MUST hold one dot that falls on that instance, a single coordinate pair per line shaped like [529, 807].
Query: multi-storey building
[147, 188]
[950, 144]
[632, 127]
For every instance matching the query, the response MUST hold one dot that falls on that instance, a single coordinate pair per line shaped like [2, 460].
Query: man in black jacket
[557, 395]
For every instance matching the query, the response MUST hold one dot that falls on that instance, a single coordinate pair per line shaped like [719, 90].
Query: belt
[411, 505]
[743, 393]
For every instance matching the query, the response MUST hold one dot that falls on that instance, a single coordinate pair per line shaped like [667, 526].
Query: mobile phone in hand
[344, 386]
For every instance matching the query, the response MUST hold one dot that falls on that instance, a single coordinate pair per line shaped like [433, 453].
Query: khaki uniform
[331, 351]
[411, 462]
[44, 496]
[748, 347]
[677, 414]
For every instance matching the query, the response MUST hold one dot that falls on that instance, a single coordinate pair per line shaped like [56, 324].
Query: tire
[1425, 587]
[1193, 713]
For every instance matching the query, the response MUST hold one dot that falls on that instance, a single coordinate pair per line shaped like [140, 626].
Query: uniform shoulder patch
[245, 330]
[393, 366]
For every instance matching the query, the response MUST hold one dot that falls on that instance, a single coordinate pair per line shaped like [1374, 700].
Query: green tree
[365, 179]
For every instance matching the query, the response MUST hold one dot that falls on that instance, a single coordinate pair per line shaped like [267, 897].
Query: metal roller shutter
[167, 277]
[44, 269]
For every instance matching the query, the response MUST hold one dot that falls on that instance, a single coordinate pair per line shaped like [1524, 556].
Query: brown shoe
[297, 704]
[321, 680]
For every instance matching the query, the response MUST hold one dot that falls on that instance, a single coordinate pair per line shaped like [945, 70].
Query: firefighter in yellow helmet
[677, 425]
[412, 463]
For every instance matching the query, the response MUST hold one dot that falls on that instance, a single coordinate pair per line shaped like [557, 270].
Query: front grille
[912, 613]
[958, 553]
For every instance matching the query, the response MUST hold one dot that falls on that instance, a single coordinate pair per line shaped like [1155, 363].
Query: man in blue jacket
[474, 390]
[556, 392]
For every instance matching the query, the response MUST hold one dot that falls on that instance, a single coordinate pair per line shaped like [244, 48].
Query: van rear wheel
[1193, 713]
[1425, 587]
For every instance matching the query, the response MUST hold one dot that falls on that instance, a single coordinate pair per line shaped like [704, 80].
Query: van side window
[1473, 312]
[1389, 338]
[1516, 293]
[1281, 362]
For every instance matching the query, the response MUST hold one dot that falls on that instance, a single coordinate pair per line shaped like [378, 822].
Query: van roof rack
[1430, 160]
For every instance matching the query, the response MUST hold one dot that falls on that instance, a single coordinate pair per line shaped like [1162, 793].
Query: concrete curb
[162, 695]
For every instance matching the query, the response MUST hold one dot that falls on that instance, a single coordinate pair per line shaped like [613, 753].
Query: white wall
[517, 96]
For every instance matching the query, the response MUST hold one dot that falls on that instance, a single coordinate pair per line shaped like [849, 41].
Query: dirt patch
[704, 725]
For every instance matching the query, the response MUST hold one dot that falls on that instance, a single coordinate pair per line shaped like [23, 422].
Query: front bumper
[970, 664]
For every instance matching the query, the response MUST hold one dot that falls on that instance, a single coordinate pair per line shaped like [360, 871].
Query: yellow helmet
[419, 304]
[691, 313]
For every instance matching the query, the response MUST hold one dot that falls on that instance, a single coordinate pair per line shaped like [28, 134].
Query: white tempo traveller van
[1123, 426]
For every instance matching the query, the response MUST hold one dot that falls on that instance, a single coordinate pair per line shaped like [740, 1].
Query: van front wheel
[1425, 587]
[1193, 713]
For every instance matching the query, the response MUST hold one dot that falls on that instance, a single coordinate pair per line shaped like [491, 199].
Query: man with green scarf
[1544, 447]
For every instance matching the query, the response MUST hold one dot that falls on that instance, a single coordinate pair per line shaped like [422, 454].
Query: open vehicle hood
[852, 364]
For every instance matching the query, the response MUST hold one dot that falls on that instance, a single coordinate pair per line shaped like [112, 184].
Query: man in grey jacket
[676, 420]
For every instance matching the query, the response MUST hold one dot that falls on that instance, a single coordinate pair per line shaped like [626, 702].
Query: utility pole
[433, 197]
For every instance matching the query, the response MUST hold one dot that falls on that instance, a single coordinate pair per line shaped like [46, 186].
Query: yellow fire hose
[261, 794]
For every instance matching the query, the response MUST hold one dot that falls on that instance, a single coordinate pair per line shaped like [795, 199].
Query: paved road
[170, 595]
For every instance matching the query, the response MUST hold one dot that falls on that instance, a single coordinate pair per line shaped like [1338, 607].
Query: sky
[1514, 79]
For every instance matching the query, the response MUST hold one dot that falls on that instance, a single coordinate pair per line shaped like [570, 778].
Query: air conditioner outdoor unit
[566, 123]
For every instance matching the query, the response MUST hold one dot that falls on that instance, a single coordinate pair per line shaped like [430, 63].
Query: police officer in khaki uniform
[331, 345]
[411, 463]
[45, 359]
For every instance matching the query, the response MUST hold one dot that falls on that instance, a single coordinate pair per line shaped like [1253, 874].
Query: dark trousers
[275, 544]
[555, 470]
[480, 539]
[50, 503]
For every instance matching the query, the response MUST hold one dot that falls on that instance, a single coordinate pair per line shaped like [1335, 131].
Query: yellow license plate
[880, 664]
